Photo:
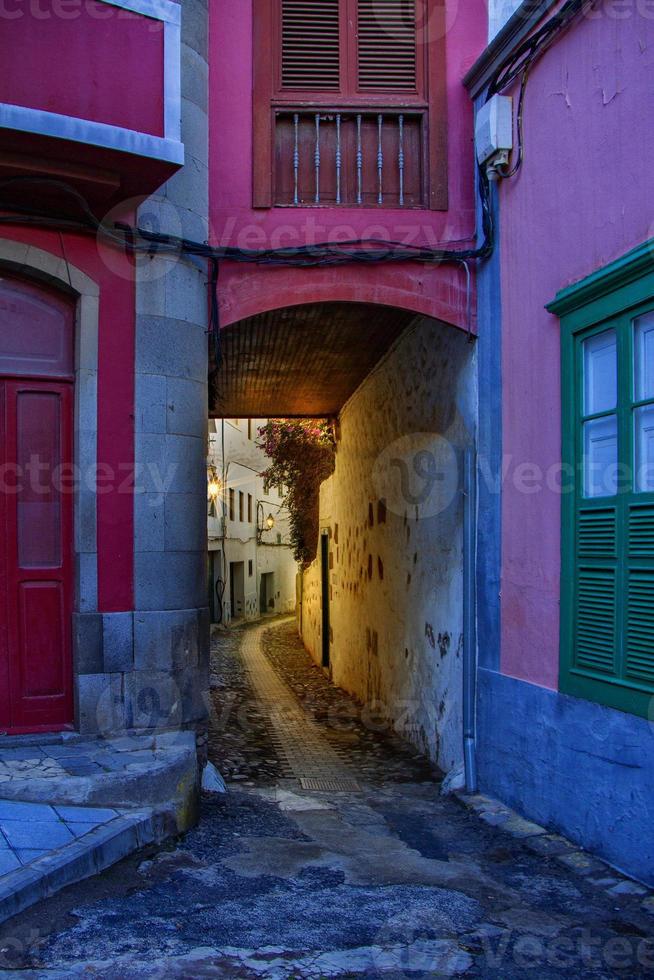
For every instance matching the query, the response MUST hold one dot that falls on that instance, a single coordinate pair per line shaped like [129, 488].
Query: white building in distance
[252, 572]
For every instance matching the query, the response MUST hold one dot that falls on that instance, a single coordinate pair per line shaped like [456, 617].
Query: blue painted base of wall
[578, 768]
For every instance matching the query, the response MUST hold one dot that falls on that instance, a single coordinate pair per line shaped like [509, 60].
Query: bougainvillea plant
[301, 452]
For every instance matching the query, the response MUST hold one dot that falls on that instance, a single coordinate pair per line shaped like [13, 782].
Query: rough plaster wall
[396, 565]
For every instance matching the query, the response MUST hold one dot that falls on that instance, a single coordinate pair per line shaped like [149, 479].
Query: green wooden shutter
[639, 659]
[595, 591]
[607, 630]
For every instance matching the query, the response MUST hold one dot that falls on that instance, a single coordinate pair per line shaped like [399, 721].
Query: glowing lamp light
[213, 487]
[270, 522]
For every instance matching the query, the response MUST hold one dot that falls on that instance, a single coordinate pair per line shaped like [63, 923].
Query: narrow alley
[333, 855]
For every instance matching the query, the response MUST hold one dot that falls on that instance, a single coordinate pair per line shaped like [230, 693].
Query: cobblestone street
[378, 875]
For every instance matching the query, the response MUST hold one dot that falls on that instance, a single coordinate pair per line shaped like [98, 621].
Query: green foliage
[302, 457]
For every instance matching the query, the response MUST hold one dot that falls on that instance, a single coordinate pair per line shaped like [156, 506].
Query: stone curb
[85, 857]
[539, 840]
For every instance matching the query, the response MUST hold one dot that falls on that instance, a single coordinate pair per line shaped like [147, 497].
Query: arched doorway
[36, 507]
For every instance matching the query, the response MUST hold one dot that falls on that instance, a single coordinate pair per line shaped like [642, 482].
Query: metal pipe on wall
[470, 620]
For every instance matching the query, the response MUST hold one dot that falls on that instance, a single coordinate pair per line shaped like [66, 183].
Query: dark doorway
[326, 629]
[267, 593]
[216, 586]
[237, 588]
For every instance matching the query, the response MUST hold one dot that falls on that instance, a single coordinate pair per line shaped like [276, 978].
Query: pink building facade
[456, 36]
[566, 645]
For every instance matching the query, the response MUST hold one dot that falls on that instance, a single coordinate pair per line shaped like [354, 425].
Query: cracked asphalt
[280, 882]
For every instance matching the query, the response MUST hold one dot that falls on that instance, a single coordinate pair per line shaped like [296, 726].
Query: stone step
[88, 855]
[159, 771]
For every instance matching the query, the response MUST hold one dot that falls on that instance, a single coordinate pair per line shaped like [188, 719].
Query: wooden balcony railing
[350, 157]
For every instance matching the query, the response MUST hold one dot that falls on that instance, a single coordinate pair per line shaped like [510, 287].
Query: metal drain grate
[327, 785]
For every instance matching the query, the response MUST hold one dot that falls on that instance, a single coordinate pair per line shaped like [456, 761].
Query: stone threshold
[539, 840]
[84, 857]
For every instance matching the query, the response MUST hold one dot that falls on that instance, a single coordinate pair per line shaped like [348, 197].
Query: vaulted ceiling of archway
[301, 360]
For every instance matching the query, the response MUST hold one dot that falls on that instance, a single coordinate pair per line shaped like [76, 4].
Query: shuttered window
[350, 46]
[310, 48]
[344, 59]
[387, 46]
[607, 651]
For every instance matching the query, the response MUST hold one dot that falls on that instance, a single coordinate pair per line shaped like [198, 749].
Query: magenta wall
[45, 55]
[576, 205]
[247, 290]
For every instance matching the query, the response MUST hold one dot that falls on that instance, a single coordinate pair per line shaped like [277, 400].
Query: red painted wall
[89, 60]
[115, 407]
[246, 290]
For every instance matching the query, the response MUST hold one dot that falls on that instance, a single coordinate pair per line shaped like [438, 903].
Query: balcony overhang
[118, 135]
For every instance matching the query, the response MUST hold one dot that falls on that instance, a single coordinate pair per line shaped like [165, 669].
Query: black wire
[535, 45]
[505, 173]
[520, 64]
[214, 319]
[139, 240]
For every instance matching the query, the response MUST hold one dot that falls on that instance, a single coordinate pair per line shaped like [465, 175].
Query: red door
[36, 513]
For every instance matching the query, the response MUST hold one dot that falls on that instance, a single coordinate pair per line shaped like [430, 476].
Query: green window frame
[607, 572]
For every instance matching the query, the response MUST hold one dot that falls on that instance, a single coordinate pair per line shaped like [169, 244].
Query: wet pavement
[388, 879]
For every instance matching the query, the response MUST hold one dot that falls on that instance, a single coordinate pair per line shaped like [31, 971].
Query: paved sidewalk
[31, 830]
[299, 741]
[71, 807]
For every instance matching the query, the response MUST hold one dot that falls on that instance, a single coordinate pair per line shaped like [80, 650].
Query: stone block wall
[148, 668]
[393, 511]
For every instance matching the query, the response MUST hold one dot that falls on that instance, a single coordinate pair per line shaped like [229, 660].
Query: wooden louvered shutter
[639, 653]
[596, 621]
[311, 45]
[596, 590]
[387, 46]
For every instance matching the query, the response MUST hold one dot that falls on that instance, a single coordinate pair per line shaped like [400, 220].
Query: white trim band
[96, 134]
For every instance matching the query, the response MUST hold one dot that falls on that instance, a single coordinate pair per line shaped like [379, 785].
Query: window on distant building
[349, 103]
[241, 506]
[250, 568]
[231, 503]
[249, 508]
[607, 650]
